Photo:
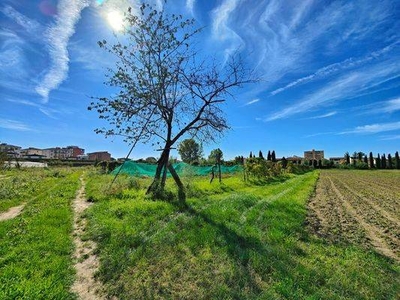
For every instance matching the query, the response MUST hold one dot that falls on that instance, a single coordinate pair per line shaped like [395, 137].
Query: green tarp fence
[141, 169]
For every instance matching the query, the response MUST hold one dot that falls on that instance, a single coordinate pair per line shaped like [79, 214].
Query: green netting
[141, 169]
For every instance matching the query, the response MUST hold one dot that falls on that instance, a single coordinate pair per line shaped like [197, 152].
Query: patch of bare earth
[340, 212]
[86, 262]
[12, 212]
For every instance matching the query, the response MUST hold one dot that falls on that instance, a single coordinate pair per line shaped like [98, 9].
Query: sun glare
[115, 20]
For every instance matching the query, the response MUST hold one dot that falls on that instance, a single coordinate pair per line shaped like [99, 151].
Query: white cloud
[336, 67]
[190, 6]
[282, 36]
[252, 102]
[14, 125]
[50, 112]
[12, 57]
[390, 138]
[390, 106]
[330, 114]
[28, 24]
[347, 86]
[221, 30]
[374, 128]
[58, 36]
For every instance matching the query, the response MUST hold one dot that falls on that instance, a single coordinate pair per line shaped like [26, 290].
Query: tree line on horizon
[361, 161]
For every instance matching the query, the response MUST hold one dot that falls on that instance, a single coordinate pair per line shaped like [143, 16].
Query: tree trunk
[157, 183]
[181, 188]
[219, 171]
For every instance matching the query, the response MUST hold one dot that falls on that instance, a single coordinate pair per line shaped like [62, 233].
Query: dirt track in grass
[350, 207]
[12, 212]
[86, 262]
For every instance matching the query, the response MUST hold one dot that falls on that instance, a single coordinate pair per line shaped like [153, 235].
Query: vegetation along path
[85, 285]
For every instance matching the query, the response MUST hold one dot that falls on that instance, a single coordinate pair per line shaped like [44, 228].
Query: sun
[115, 20]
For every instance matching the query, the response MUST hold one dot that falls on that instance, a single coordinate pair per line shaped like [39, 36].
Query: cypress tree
[378, 162]
[284, 162]
[390, 162]
[347, 157]
[397, 160]
[269, 155]
[371, 161]
[273, 157]
[366, 159]
[251, 154]
[383, 161]
[360, 155]
[260, 155]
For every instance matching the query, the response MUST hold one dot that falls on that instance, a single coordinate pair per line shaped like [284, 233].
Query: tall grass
[232, 241]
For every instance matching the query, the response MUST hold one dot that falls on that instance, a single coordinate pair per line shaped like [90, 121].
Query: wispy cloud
[28, 24]
[12, 57]
[327, 115]
[390, 137]
[336, 67]
[252, 102]
[347, 86]
[58, 36]
[283, 35]
[221, 30]
[48, 111]
[319, 134]
[14, 125]
[373, 128]
[190, 6]
[389, 106]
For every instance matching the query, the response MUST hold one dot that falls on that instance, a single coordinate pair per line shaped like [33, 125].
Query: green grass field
[235, 240]
[36, 247]
[232, 241]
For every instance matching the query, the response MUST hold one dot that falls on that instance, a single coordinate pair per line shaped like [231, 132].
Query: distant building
[82, 157]
[32, 153]
[337, 160]
[101, 155]
[75, 151]
[11, 150]
[295, 159]
[63, 153]
[314, 155]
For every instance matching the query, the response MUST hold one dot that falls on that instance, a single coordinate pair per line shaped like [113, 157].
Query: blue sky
[330, 73]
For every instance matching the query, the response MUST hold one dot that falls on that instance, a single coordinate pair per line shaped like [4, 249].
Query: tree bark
[181, 188]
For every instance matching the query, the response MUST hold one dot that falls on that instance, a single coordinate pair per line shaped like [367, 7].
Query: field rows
[358, 208]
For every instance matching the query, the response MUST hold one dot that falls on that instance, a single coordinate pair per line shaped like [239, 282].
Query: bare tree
[164, 92]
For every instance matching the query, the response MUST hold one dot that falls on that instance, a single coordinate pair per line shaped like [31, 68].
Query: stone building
[314, 155]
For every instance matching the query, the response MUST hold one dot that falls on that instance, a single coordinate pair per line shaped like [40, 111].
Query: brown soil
[85, 286]
[343, 210]
[12, 212]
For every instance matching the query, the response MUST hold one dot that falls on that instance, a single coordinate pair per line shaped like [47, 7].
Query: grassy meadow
[36, 247]
[235, 240]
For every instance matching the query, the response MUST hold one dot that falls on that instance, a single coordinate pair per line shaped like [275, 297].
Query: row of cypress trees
[380, 162]
[271, 155]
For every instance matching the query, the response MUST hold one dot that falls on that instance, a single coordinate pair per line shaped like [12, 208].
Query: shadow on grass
[254, 257]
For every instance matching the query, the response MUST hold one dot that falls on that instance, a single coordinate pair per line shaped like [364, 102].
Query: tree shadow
[245, 248]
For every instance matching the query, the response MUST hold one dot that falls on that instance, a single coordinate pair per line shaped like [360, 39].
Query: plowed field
[359, 207]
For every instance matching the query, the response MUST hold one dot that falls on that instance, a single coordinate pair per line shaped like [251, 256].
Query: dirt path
[12, 212]
[86, 262]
